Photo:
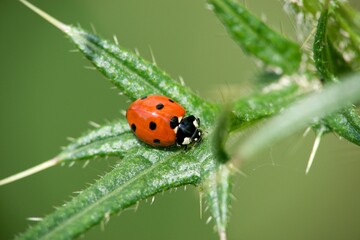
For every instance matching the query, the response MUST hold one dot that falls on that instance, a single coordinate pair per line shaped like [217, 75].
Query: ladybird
[160, 121]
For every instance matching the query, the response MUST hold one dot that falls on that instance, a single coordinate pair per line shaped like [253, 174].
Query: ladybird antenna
[30, 171]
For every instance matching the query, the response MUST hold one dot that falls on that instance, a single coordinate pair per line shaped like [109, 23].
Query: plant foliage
[301, 94]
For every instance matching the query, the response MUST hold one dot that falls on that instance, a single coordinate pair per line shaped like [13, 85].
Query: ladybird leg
[200, 136]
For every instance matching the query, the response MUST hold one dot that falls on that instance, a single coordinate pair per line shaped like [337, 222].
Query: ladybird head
[188, 131]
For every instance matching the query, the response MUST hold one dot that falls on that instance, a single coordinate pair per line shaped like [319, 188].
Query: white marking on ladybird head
[176, 129]
[196, 124]
[186, 141]
[180, 118]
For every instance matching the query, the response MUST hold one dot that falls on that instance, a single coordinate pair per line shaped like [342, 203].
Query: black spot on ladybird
[133, 127]
[170, 100]
[152, 125]
[143, 98]
[159, 106]
[174, 122]
[156, 141]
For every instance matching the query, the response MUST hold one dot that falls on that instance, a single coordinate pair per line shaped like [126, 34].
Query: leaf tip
[30, 171]
[63, 27]
[319, 135]
[222, 234]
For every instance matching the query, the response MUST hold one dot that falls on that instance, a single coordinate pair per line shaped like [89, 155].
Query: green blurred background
[47, 94]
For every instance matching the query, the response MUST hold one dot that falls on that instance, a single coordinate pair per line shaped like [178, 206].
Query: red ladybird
[160, 121]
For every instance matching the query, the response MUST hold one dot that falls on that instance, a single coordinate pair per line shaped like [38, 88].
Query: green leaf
[256, 38]
[143, 171]
[303, 113]
[217, 183]
[114, 139]
[262, 105]
[344, 34]
[329, 64]
[322, 58]
[218, 187]
[141, 174]
[345, 123]
[220, 135]
[343, 27]
[305, 8]
[340, 65]
[312, 6]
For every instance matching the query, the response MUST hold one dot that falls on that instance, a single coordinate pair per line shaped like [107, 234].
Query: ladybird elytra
[160, 121]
